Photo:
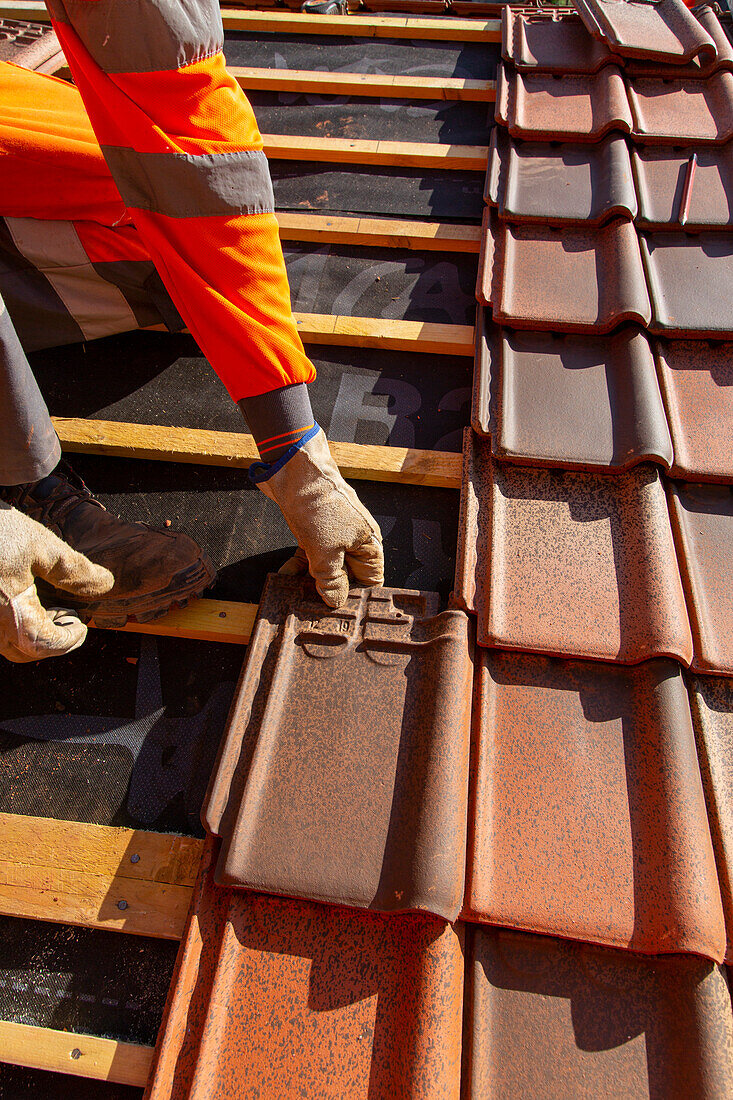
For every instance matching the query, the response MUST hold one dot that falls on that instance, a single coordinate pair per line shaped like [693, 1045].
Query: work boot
[153, 570]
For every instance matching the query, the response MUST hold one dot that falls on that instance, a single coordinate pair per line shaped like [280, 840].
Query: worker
[156, 149]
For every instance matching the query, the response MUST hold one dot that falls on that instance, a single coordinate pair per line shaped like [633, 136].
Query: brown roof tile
[690, 278]
[536, 40]
[664, 30]
[281, 998]
[712, 714]
[661, 174]
[554, 1019]
[542, 107]
[595, 828]
[344, 774]
[696, 379]
[573, 564]
[576, 279]
[672, 111]
[702, 519]
[577, 402]
[569, 184]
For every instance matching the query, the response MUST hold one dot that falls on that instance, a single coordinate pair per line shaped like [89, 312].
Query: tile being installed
[280, 998]
[673, 111]
[571, 564]
[571, 184]
[680, 186]
[696, 380]
[537, 41]
[589, 818]
[702, 519]
[578, 402]
[551, 107]
[690, 279]
[662, 31]
[343, 776]
[554, 1019]
[712, 714]
[571, 279]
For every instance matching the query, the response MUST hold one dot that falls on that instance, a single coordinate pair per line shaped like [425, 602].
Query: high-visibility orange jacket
[180, 178]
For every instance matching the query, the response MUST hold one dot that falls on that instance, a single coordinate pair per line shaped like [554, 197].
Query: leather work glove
[333, 528]
[28, 631]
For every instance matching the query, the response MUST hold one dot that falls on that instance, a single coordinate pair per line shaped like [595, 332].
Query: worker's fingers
[28, 632]
[332, 582]
[296, 565]
[366, 563]
[65, 568]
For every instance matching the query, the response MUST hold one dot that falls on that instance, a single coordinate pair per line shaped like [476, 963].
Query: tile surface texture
[574, 279]
[281, 998]
[702, 518]
[660, 173]
[696, 379]
[567, 184]
[553, 1019]
[578, 402]
[551, 107]
[663, 31]
[673, 111]
[712, 714]
[589, 819]
[690, 278]
[572, 564]
[533, 41]
[343, 776]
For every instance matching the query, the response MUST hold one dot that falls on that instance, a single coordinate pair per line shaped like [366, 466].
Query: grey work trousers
[29, 446]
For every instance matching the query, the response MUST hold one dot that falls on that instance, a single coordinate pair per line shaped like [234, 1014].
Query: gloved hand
[28, 631]
[334, 530]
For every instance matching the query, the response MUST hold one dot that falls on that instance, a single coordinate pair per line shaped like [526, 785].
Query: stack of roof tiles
[369, 923]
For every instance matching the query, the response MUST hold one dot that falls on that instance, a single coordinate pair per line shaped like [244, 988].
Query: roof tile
[550, 1018]
[690, 278]
[573, 564]
[696, 380]
[660, 174]
[664, 30]
[596, 829]
[702, 519]
[578, 402]
[344, 773]
[712, 714]
[281, 998]
[672, 111]
[570, 184]
[551, 107]
[572, 279]
[537, 41]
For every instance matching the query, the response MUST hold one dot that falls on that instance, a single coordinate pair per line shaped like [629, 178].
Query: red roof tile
[280, 998]
[696, 379]
[541, 107]
[660, 173]
[536, 40]
[664, 30]
[589, 818]
[690, 278]
[553, 1019]
[712, 714]
[702, 518]
[344, 774]
[575, 279]
[569, 184]
[673, 111]
[576, 402]
[574, 564]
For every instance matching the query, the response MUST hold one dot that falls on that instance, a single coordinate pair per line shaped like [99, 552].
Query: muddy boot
[153, 570]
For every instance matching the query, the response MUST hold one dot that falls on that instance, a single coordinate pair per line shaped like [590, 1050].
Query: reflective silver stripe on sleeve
[143, 36]
[185, 186]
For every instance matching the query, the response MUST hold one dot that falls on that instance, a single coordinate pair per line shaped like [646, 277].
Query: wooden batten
[365, 84]
[379, 232]
[400, 154]
[80, 1055]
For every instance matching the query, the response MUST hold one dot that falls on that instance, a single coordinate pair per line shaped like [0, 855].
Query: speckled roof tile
[551, 43]
[573, 564]
[280, 998]
[696, 379]
[551, 107]
[344, 773]
[661, 174]
[674, 111]
[588, 816]
[663, 31]
[554, 1019]
[690, 279]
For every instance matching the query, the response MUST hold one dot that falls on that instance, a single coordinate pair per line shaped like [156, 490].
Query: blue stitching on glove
[263, 471]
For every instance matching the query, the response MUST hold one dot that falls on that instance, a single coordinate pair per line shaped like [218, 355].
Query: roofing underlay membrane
[390, 894]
